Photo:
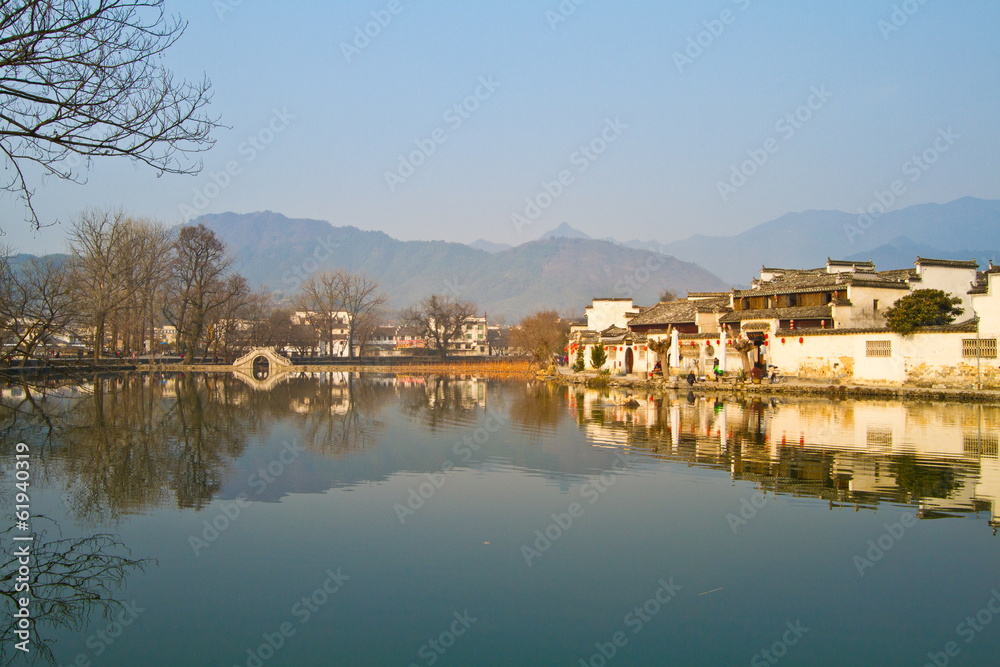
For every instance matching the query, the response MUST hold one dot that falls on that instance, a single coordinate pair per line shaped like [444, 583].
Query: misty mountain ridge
[807, 239]
[560, 273]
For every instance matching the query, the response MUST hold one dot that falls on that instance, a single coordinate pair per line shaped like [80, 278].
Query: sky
[501, 119]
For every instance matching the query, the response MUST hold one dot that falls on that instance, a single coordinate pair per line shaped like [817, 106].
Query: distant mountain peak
[564, 230]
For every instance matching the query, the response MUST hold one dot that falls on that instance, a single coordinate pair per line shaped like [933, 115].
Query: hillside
[560, 273]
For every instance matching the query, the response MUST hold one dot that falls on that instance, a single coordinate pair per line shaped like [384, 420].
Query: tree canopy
[440, 319]
[922, 308]
[541, 335]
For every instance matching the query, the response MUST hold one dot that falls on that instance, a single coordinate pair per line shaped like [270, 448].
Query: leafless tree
[541, 335]
[36, 305]
[87, 79]
[232, 319]
[198, 285]
[119, 265]
[362, 301]
[100, 242]
[331, 297]
[153, 256]
[320, 298]
[440, 319]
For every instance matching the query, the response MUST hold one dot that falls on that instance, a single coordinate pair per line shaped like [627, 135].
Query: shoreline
[522, 369]
[786, 387]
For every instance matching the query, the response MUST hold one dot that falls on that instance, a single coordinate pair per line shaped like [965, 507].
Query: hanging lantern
[801, 340]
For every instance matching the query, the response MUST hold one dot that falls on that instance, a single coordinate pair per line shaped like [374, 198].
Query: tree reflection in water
[123, 443]
[73, 579]
[336, 413]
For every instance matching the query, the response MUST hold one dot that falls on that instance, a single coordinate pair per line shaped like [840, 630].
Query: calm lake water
[336, 519]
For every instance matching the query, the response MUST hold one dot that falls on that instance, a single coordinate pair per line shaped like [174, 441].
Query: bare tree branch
[87, 79]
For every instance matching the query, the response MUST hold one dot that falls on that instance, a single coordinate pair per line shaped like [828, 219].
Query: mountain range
[560, 273]
[966, 228]
[564, 269]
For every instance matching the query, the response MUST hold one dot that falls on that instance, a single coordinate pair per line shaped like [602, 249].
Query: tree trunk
[98, 337]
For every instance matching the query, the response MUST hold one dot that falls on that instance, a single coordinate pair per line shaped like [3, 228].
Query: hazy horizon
[502, 120]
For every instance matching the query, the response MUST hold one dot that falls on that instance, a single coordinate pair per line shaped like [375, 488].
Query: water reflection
[939, 457]
[340, 453]
[74, 579]
[123, 444]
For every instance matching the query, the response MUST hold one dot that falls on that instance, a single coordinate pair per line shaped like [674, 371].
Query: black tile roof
[666, 312]
[953, 263]
[808, 282]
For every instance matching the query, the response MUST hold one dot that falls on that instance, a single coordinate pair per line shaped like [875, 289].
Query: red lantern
[801, 340]
[782, 341]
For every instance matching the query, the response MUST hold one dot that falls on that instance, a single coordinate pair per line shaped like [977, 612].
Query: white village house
[825, 323]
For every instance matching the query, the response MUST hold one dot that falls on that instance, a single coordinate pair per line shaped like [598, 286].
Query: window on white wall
[878, 348]
[987, 348]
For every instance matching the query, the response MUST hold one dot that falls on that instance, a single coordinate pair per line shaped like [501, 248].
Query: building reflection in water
[939, 457]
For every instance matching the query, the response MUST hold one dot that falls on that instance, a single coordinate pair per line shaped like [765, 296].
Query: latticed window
[981, 445]
[879, 436]
[878, 348]
[987, 348]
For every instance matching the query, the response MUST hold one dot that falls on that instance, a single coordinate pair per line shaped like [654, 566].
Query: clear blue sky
[680, 129]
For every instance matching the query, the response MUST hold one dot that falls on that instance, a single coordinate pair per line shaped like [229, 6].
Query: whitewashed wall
[921, 358]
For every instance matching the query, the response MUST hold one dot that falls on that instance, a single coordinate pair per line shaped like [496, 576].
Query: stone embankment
[790, 386]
